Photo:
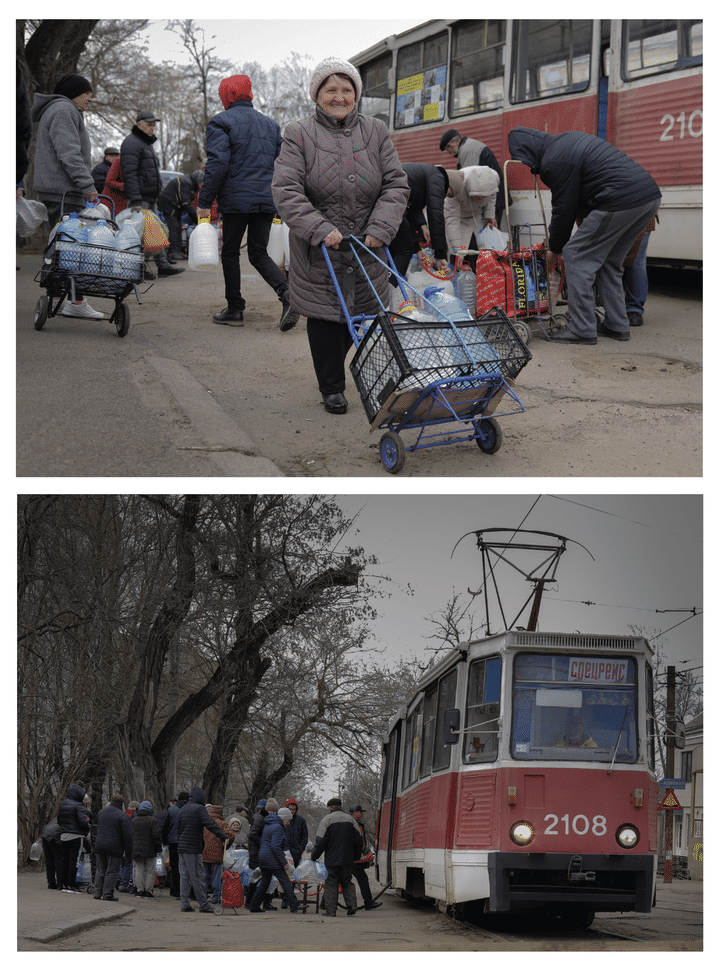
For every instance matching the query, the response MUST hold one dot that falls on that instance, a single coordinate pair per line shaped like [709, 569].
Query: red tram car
[521, 775]
[637, 83]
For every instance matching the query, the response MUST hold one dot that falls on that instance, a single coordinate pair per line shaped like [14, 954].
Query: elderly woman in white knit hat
[470, 207]
[337, 174]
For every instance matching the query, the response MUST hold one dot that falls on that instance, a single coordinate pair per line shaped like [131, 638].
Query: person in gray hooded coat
[337, 174]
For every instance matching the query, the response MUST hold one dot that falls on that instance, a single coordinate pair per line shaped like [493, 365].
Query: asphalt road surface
[180, 396]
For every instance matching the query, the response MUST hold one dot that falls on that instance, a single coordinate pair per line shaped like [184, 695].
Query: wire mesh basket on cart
[415, 374]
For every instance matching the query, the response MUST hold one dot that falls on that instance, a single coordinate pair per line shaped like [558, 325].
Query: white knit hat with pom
[334, 65]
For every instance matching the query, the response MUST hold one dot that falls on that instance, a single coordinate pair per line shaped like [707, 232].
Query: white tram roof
[522, 638]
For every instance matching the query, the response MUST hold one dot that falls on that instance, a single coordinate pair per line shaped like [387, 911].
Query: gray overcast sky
[271, 41]
[647, 550]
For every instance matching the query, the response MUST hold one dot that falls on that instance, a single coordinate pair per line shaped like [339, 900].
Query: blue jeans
[213, 879]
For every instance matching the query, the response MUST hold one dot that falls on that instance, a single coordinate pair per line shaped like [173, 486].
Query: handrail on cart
[401, 282]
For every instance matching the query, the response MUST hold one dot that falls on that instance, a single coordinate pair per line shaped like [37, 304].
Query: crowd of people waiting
[125, 843]
[336, 174]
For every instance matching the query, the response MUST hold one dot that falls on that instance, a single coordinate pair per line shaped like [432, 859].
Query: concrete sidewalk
[45, 915]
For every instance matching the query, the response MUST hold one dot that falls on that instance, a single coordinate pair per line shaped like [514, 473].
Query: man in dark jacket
[170, 838]
[358, 870]
[470, 151]
[141, 176]
[339, 837]
[147, 844]
[114, 840]
[296, 832]
[176, 200]
[254, 841]
[242, 146]
[74, 824]
[192, 818]
[613, 198]
[99, 173]
[424, 221]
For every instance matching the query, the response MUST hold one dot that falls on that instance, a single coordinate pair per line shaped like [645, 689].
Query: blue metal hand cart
[418, 375]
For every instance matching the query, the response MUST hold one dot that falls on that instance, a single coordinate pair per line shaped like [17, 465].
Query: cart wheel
[217, 908]
[490, 435]
[561, 320]
[523, 330]
[392, 452]
[122, 319]
[41, 312]
[89, 889]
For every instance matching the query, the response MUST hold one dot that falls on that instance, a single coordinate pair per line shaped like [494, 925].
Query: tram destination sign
[583, 670]
[674, 782]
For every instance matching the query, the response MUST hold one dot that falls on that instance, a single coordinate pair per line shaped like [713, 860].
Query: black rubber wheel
[523, 330]
[490, 435]
[41, 312]
[392, 452]
[122, 319]
[217, 908]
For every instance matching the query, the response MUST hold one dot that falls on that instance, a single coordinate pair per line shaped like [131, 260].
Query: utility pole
[670, 729]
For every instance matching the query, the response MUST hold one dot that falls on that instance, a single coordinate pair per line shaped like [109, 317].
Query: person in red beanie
[242, 146]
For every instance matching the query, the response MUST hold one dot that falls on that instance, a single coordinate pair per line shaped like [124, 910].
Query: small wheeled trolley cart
[518, 279]
[416, 375]
[233, 894]
[72, 270]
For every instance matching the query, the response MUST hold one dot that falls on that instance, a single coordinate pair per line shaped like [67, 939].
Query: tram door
[389, 797]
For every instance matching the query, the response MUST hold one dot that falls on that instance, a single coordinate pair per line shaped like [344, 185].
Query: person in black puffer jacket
[254, 841]
[613, 198]
[141, 176]
[147, 843]
[114, 840]
[74, 825]
[428, 188]
[242, 145]
[193, 817]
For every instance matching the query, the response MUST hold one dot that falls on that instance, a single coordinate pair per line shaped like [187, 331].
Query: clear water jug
[203, 254]
[72, 238]
[450, 307]
[466, 287]
[128, 253]
[99, 254]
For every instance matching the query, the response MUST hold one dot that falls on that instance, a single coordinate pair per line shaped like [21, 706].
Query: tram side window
[477, 66]
[413, 743]
[429, 722]
[420, 92]
[375, 101]
[653, 46]
[574, 708]
[483, 711]
[551, 57]
[389, 774]
[650, 714]
[446, 701]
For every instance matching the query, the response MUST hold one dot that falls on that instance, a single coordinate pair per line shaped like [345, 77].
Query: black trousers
[329, 343]
[258, 229]
[360, 876]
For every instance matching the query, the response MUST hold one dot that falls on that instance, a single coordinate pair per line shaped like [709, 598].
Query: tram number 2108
[580, 824]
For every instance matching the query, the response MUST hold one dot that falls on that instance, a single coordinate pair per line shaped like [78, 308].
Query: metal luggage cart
[96, 279]
[420, 375]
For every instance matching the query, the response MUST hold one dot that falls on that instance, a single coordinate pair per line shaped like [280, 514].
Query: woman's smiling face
[336, 97]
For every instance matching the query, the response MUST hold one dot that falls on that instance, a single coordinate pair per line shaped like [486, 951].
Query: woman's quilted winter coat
[345, 177]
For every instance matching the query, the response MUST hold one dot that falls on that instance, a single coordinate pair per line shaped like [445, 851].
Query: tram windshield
[574, 708]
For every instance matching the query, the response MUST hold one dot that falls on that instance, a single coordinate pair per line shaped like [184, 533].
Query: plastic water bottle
[466, 288]
[70, 249]
[128, 252]
[449, 306]
[36, 851]
[203, 253]
[95, 210]
[98, 260]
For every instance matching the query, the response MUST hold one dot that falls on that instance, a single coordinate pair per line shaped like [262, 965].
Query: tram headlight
[522, 833]
[627, 836]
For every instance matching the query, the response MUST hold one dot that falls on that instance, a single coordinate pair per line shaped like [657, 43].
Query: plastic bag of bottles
[321, 871]
[305, 872]
[235, 858]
